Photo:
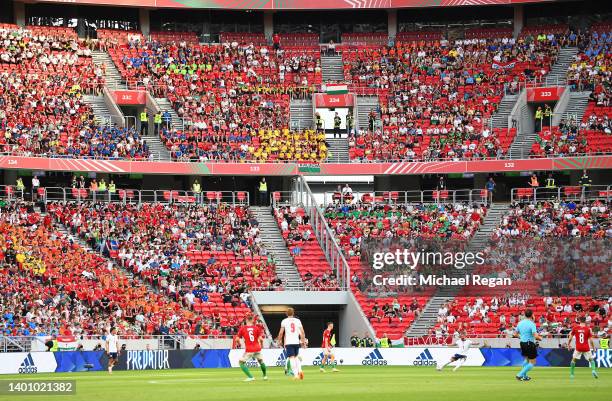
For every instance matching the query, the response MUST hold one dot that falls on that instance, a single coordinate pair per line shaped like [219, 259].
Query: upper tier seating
[437, 97]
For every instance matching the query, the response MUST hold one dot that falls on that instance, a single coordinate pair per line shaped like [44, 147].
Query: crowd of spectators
[195, 254]
[51, 285]
[44, 76]
[497, 316]
[245, 144]
[557, 219]
[233, 97]
[566, 139]
[436, 98]
[305, 249]
[555, 253]
[352, 223]
[590, 71]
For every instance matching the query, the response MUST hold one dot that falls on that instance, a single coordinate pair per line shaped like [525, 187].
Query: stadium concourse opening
[314, 319]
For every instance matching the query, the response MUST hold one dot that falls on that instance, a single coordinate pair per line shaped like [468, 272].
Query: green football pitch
[351, 383]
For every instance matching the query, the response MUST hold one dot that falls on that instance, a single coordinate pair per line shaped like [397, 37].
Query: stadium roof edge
[294, 5]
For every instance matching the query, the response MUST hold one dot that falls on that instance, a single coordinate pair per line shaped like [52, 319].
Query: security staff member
[20, 185]
[263, 192]
[441, 183]
[384, 342]
[585, 180]
[585, 184]
[197, 189]
[102, 185]
[355, 340]
[548, 115]
[319, 122]
[539, 117]
[144, 122]
[604, 343]
[533, 182]
[337, 122]
[349, 122]
[550, 182]
[157, 120]
[112, 189]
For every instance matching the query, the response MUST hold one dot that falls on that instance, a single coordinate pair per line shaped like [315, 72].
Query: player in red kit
[328, 355]
[584, 345]
[251, 336]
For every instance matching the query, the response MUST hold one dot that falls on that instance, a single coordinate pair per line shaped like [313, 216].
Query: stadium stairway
[301, 113]
[558, 72]
[165, 105]
[365, 104]
[112, 77]
[332, 68]
[576, 106]
[500, 118]
[157, 149]
[277, 247]
[521, 146]
[339, 150]
[428, 318]
[102, 115]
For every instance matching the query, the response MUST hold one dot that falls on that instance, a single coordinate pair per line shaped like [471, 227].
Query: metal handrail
[302, 196]
[435, 196]
[576, 192]
[127, 195]
[333, 160]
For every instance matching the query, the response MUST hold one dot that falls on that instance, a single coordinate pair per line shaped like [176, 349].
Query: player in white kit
[463, 345]
[112, 348]
[292, 336]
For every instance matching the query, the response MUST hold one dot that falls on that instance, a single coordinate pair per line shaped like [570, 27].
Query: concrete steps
[277, 247]
[576, 106]
[301, 114]
[339, 150]
[157, 149]
[113, 76]
[365, 104]
[558, 72]
[500, 118]
[521, 146]
[165, 105]
[102, 115]
[429, 316]
[332, 68]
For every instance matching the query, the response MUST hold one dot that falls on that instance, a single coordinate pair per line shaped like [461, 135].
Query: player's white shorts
[327, 351]
[252, 355]
[587, 355]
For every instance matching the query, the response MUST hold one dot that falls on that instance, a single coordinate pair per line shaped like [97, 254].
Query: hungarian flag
[336, 89]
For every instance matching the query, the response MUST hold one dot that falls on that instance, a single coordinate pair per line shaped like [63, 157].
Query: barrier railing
[10, 192]
[137, 196]
[408, 197]
[301, 196]
[334, 159]
[37, 343]
[576, 192]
